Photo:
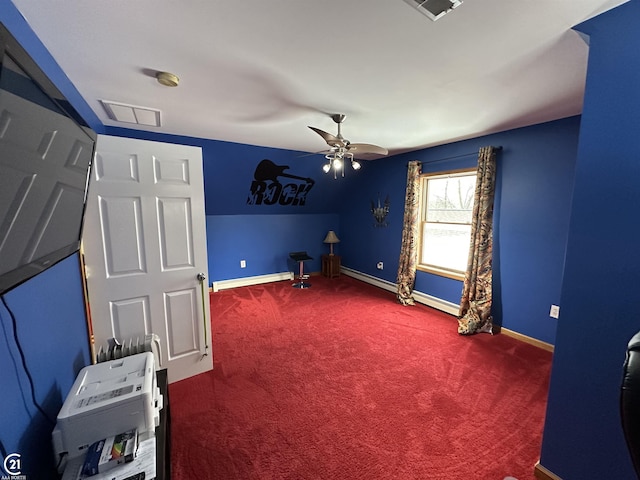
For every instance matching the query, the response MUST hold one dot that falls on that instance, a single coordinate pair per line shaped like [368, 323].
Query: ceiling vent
[434, 9]
[121, 112]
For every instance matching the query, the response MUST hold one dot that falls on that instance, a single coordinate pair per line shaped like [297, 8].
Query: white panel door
[144, 245]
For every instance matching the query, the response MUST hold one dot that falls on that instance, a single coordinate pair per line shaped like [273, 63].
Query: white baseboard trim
[243, 282]
[533, 341]
[425, 299]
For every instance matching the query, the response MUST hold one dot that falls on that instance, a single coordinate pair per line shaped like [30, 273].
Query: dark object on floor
[630, 400]
[301, 257]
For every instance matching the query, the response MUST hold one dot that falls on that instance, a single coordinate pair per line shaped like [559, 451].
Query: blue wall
[583, 438]
[264, 242]
[532, 207]
[51, 329]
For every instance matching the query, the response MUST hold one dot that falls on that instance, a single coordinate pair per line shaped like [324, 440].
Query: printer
[107, 399]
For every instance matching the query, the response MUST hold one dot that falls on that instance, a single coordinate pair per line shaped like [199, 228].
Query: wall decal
[266, 189]
[380, 212]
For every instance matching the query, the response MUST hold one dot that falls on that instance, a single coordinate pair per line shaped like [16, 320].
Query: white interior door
[144, 245]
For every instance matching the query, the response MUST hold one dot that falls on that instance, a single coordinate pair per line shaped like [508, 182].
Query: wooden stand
[163, 431]
[331, 265]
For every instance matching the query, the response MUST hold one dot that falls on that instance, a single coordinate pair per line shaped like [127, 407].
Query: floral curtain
[475, 305]
[408, 250]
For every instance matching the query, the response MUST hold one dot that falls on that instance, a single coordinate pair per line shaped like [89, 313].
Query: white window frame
[434, 268]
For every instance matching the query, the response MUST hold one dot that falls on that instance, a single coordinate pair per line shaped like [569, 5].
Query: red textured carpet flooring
[341, 382]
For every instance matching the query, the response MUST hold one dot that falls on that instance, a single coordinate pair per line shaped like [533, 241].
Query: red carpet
[341, 382]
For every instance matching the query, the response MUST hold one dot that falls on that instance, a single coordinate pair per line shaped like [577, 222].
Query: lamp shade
[331, 237]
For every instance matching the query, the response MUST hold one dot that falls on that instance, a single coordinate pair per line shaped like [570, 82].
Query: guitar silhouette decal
[266, 188]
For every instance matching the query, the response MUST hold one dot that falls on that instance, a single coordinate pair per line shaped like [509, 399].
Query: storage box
[110, 452]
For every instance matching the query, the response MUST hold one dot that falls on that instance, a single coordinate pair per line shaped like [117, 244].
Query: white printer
[107, 399]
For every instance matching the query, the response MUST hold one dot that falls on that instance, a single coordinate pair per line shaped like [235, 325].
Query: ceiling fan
[343, 148]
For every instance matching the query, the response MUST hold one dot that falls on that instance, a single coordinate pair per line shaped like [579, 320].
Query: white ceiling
[258, 72]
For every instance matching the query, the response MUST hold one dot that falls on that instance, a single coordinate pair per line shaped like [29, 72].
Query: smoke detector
[167, 79]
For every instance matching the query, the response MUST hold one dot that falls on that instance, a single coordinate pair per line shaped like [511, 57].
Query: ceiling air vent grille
[434, 9]
[121, 112]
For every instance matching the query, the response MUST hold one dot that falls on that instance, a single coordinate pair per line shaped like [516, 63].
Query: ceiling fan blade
[322, 152]
[365, 148]
[331, 140]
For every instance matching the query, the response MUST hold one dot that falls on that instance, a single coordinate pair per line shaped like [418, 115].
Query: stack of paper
[144, 462]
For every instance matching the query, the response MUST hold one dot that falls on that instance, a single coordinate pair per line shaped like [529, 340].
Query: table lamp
[331, 238]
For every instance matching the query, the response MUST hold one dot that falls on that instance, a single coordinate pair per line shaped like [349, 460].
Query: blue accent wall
[51, 328]
[531, 220]
[583, 437]
[264, 242]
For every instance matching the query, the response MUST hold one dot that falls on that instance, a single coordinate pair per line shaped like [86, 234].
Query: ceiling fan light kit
[342, 150]
[434, 9]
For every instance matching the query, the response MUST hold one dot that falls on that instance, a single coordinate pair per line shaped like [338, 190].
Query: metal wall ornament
[380, 212]
[267, 189]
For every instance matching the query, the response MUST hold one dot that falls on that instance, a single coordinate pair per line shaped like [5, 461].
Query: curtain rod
[498, 148]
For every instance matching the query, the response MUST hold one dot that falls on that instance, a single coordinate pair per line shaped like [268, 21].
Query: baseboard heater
[246, 281]
[439, 304]
[428, 300]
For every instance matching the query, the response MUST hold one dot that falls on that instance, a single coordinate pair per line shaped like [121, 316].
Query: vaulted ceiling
[259, 72]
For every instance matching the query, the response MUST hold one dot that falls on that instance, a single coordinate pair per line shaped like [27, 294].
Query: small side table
[331, 265]
[163, 431]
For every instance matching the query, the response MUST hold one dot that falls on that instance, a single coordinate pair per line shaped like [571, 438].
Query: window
[446, 211]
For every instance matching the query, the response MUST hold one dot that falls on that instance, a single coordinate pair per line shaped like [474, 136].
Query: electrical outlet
[243, 264]
[555, 311]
